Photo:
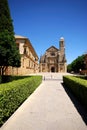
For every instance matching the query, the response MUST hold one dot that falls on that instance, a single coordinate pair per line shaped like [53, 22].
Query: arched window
[52, 54]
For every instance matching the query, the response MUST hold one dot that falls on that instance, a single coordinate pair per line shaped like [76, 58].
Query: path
[48, 108]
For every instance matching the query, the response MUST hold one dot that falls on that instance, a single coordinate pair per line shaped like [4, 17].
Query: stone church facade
[54, 59]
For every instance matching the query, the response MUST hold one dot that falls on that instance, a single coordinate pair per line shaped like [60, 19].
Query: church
[54, 59]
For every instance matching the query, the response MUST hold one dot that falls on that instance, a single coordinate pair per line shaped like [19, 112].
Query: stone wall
[29, 58]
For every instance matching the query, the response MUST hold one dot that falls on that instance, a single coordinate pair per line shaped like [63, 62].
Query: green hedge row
[82, 77]
[78, 86]
[14, 93]
[9, 78]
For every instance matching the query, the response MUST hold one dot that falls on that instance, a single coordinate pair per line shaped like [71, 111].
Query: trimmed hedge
[78, 86]
[82, 77]
[9, 78]
[13, 94]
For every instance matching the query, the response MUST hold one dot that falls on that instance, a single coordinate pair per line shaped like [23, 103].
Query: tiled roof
[18, 36]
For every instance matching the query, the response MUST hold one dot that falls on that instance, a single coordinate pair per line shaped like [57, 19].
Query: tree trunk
[2, 69]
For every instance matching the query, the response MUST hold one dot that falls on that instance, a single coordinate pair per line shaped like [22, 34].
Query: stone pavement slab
[48, 108]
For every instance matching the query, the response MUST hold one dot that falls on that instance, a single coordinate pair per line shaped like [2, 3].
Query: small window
[25, 50]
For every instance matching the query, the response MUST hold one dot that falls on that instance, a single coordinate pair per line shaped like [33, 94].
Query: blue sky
[45, 21]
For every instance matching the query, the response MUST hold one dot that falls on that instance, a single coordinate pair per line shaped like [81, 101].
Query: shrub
[9, 78]
[82, 77]
[0, 79]
[13, 94]
[78, 86]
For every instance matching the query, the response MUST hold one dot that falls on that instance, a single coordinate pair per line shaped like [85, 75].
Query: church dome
[62, 39]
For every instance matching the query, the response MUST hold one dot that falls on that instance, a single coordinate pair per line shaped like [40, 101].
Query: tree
[9, 54]
[69, 68]
[77, 65]
[85, 60]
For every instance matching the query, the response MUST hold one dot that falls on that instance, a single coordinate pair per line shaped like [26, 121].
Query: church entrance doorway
[52, 69]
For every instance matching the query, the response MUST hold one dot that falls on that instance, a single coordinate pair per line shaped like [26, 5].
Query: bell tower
[62, 46]
[62, 59]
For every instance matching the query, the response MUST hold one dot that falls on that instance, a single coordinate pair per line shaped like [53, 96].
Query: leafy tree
[9, 54]
[85, 60]
[69, 68]
[77, 64]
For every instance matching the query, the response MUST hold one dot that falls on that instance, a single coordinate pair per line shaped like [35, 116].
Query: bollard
[44, 77]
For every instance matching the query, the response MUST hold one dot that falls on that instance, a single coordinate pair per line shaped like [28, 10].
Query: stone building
[54, 59]
[29, 58]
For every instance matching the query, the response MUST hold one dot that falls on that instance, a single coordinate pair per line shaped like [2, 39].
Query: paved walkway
[48, 108]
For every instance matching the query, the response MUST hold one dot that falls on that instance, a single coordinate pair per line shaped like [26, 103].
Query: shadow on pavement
[82, 111]
[51, 78]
